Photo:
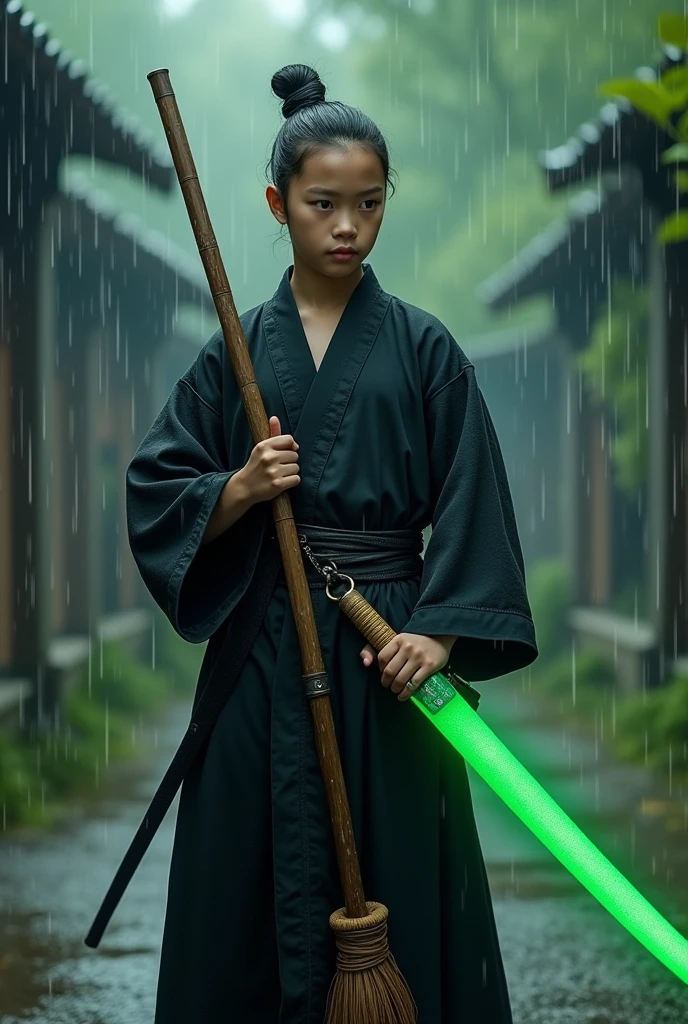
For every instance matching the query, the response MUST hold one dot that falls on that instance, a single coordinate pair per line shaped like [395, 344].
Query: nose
[346, 224]
[346, 231]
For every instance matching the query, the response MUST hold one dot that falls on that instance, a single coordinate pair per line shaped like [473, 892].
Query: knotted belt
[369, 555]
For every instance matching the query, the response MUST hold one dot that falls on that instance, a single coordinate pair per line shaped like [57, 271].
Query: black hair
[314, 123]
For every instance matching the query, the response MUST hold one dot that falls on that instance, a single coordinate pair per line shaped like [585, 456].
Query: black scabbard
[241, 634]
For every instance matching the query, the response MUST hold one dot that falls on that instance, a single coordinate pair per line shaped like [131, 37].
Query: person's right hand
[273, 466]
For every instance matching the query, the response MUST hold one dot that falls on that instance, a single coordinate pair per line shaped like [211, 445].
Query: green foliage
[614, 364]
[674, 228]
[672, 714]
[37, 775]
[652, 722]
[675, 154]
[73, 759]
[590, 672]
[653, 99]
[96, 729]
[676, 80]
[632, 600]
[661, 101]
[179, 660]
[549, 594]
[19, 785]
[673, 30]
[642, 728]
[123, 682]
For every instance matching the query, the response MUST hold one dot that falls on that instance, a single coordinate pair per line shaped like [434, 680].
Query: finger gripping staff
[459, 723]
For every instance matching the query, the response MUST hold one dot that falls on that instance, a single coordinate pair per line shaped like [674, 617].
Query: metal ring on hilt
[340, 578]
[328, 569]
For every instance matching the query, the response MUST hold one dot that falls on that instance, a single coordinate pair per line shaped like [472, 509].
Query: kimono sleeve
[473, 584]
[172, 485]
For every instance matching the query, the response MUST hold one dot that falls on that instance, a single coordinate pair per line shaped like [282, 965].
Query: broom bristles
[368, 987]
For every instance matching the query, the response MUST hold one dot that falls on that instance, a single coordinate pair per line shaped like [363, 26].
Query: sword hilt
[377, 632]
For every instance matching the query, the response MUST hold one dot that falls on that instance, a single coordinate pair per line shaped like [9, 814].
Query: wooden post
[59, 490]
[576, 441]
[92, 487]
[7, 607]
[106, 474]
[77, 440]
[668, 512]
[598, 553]
[125, 450]
[32, 351]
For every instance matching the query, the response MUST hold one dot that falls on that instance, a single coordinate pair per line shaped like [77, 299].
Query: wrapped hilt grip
[377, 632]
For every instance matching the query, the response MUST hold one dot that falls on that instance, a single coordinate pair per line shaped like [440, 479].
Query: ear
[275, 203]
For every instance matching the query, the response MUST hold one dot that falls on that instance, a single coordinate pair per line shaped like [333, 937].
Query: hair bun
[299, 86]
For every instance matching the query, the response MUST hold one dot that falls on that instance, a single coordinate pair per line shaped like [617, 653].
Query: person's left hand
[409, 657]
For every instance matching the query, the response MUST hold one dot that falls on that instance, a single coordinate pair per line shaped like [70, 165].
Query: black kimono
[393, 433]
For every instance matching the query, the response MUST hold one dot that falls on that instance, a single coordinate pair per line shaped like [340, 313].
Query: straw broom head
[368, 987]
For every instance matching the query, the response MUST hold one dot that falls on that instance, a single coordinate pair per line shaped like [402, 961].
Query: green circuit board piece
[435, 693]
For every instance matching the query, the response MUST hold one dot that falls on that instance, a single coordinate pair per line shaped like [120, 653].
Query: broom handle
[299, 592]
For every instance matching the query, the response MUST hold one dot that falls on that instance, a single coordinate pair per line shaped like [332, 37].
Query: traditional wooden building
[117, 288]
[621, 145]
[86, 297]
[573, 265]
[615, 541]
[520, 372]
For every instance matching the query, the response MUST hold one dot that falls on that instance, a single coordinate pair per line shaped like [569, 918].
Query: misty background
[466, 94]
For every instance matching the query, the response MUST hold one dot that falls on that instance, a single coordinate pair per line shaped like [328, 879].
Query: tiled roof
[94, 210]
[573, 253]
[77, 113]
[619, 136]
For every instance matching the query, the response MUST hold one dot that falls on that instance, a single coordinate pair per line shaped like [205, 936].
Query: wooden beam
[59, 500]
[598, 509]
[667, 479]
[6, 516]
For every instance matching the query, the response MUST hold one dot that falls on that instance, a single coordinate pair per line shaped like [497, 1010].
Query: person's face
[337, 200]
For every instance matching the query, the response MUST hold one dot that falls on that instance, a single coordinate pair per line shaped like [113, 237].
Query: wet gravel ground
[567, 960]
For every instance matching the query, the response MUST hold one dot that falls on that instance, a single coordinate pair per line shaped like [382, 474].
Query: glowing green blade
[476, 742]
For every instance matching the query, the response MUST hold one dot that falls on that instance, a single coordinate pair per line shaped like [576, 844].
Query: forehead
[342, 168]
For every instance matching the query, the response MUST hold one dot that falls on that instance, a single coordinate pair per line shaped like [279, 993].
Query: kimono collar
[315, 401]
[284, 303]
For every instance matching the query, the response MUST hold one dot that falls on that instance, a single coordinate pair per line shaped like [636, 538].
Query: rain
[539, 152]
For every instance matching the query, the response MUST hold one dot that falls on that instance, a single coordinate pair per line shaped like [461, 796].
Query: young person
[378, 429]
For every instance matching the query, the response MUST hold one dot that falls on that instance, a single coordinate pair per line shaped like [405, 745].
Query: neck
[317, 292]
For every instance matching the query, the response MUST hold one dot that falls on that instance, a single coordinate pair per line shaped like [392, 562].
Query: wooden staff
[367, 986]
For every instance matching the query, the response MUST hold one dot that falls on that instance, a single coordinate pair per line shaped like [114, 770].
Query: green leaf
[674, 228]
[683, 126]
[673, 30]
[681, 179]
[675, 154]
[676, 79]
[650, 98]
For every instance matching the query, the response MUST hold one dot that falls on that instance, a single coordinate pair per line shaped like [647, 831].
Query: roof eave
[92, 124]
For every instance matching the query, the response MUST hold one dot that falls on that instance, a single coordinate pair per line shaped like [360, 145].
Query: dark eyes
[376, 202]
